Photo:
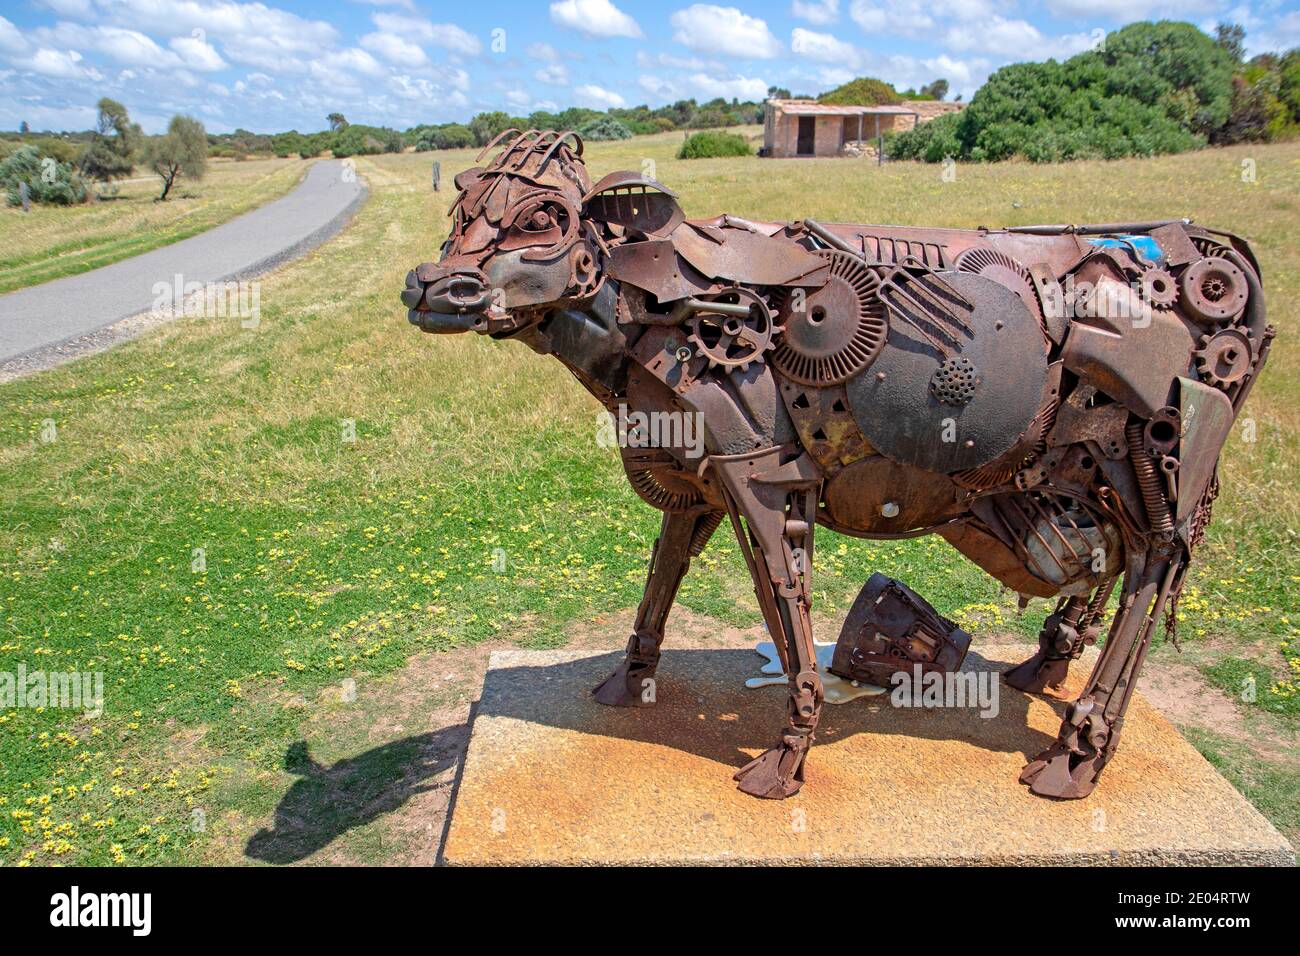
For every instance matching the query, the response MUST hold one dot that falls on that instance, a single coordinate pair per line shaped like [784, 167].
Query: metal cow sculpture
[1051, 400]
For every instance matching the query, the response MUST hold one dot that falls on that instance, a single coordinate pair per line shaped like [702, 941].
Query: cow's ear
[631, 200]
[468, 177]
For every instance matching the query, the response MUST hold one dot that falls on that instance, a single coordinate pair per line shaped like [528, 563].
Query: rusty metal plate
[879, 495]
[896, 408]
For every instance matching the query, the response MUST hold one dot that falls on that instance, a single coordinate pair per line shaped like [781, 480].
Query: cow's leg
[1065, 633]
[681, 537]
[1069, 768]
[773, 515]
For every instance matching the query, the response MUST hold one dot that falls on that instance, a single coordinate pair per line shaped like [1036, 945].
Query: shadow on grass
[326, 802]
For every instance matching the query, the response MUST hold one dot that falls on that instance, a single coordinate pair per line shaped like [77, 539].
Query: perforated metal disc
[899, 413]
[839, 330]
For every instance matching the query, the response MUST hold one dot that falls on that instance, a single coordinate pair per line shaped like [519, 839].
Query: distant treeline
[345, 139]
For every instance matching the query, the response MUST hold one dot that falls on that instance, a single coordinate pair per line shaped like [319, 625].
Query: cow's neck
[590, 342]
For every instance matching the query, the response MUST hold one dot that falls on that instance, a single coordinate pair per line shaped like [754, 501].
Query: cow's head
[530, 234]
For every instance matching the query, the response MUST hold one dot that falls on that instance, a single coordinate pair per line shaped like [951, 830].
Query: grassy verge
[55, 241]
[231, 523]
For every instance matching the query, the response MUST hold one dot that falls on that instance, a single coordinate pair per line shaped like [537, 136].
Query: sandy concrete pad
[551, 777]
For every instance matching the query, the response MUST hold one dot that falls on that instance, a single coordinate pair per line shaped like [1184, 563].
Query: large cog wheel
[732, 341]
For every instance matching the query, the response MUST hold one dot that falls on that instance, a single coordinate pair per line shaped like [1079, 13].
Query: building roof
[811, 108]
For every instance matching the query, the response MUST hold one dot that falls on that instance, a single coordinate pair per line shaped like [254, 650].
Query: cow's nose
[442, 301]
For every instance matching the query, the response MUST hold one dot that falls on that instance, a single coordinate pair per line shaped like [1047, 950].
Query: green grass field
[206, 531]
[55, 241]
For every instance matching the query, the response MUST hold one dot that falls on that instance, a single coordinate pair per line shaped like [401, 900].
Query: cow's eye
[540, 220]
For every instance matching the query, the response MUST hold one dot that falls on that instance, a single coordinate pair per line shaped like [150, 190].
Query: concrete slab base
[551, 777]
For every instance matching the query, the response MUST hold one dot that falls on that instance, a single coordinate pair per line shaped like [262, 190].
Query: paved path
[42, 317]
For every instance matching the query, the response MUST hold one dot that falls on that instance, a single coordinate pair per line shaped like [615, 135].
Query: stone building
[809, 128]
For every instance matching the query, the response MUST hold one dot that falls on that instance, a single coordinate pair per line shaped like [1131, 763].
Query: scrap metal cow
[1051, 400]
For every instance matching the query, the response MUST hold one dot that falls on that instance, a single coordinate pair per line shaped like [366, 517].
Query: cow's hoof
[777, 773]
[626, 688]
[1061, 773]
[1038, 673]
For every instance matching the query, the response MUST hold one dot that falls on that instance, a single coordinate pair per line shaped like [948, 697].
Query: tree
[486, 126]
[936, 90]
[1232, 37]
[182, 151]
[111, 152]
[778, 93]
[47, 179]
[337, 122]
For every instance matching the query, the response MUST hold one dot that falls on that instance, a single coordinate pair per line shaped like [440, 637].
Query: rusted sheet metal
[885, 382]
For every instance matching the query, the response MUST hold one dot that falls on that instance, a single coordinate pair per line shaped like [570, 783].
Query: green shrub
[605, 128]
[357, 140]
[48, 180]
[446, 136]
[1156, 88]
[864, 91]
[713, 144]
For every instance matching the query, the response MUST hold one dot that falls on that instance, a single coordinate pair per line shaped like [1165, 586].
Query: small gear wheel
[736, 335]
[1159, 288]
[1223, 357]
[954, 381]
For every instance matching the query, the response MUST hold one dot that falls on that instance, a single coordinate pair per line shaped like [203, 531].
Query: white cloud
[597, 97]
[820, 12]
[404, 4]
[58, 64]
[703, 86]
[915, 18]
[725, 30]
[739, 87]
[651, 61]
[11, 38]
[594, 18]
[822, 47]
[448, 36]
[197, 54]
[1013, 38]
[394, 49]
[557, 74]
[352, 60]
[544, 52]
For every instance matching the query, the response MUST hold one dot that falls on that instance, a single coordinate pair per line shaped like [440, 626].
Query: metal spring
[1153, 495]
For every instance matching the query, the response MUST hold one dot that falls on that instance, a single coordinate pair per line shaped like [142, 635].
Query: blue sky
[281, 64]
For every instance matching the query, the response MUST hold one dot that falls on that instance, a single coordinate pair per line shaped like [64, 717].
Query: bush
[864, 91]
[446, 136]
[714, 144]
[1156, 88]
[358, 140]
[605, 128]
[48, 180]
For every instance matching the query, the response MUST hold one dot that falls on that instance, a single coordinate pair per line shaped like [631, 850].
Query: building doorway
[806, 143]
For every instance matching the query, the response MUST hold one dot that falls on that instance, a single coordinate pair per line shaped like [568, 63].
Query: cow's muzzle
[441, 301]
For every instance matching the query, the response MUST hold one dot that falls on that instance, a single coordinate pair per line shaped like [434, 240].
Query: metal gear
[1159, 289]
[732, 341]
[1223, 357]
[1214, 290]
